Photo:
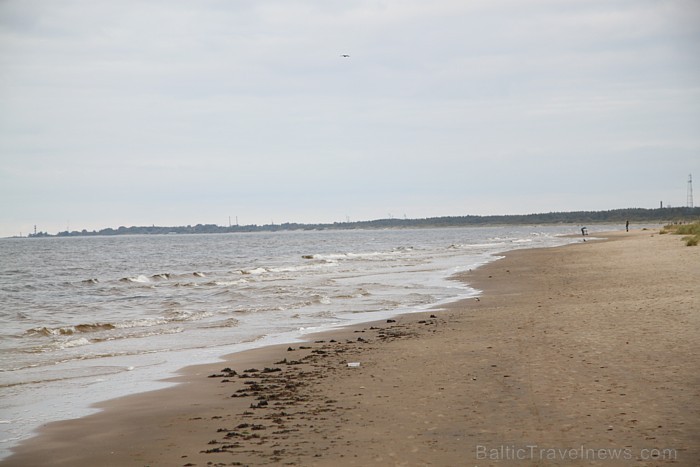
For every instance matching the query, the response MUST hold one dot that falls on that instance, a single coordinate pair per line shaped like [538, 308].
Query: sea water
[86, 319]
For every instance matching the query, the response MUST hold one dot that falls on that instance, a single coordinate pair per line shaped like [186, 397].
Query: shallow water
[87, 319]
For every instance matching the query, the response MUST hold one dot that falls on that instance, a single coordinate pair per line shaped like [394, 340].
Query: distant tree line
[633, 215]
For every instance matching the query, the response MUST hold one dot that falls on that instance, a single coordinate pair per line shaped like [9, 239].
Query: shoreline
[439, 387]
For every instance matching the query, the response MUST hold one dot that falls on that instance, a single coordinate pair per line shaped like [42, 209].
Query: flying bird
[345, 55]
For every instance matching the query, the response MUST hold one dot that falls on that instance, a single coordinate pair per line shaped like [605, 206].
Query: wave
[74, 343]
[140, 279]
[100, 327]
[226, 283]
[136, 333]
[320, 299]
[140, 323]
[359, 293]
[179, 316]
[163, 276]
[146, 279]
[226, 323]
[70, 330]
[305, 267]
[320, 314]
[254, 272]
[142, 334]
[173, 316]
[472, 246]
[366, 256]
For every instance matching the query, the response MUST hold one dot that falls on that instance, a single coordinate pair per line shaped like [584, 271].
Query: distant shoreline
[633, 215]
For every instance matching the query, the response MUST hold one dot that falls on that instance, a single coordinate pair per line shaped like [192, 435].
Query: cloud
[144, 107]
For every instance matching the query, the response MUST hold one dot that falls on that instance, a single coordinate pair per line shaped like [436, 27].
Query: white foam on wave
[141, 279]
[255, 272]
[141, 323]
[182, 315]
[73, 343]
[305, 267]
[69, 330]
[163, 276]
[165, 332]
[472, 246]
[228, 283]
[333, 257]
[321, 299]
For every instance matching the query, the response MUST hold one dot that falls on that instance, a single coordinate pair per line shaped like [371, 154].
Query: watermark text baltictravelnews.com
[534, 452]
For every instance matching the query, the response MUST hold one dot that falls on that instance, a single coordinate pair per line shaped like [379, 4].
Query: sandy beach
[580, 355]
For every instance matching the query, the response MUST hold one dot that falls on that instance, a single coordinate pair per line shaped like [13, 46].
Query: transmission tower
[690, 190]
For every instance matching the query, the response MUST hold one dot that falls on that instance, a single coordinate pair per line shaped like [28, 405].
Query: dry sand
[571, 356]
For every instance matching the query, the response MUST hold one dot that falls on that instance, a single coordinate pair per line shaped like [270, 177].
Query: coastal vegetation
[633, 215]
[691, 232]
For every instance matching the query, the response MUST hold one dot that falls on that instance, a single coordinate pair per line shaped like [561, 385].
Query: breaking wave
[175, 316]
[70, 330]
[141, 279]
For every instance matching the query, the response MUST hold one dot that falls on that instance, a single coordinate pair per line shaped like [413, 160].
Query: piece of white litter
[353, 364]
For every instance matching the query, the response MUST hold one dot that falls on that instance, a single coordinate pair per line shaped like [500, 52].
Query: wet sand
[572, 356]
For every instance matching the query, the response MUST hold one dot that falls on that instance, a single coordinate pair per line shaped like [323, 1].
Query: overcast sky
[179, 112]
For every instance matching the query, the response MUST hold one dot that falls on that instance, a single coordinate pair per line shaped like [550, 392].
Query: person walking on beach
[627, 226]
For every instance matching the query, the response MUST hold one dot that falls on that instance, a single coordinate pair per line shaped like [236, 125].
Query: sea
[88, 319]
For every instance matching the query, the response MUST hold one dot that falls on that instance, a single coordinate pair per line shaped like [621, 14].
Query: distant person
[584, 231]
[627, 226]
